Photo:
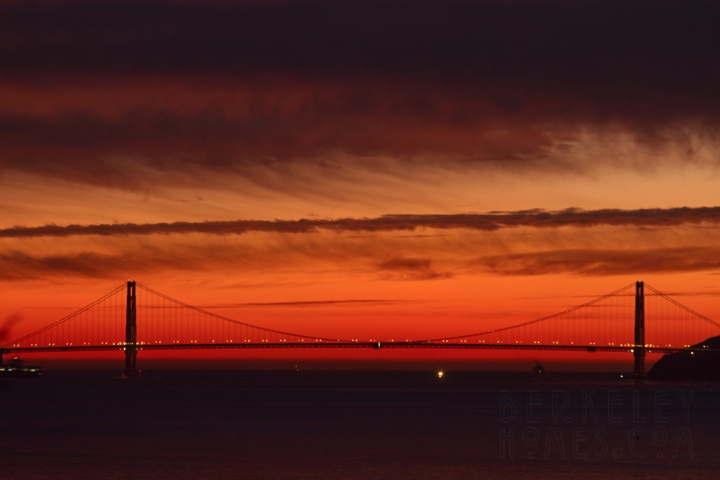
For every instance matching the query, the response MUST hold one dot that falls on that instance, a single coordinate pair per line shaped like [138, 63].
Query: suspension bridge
[133, 317]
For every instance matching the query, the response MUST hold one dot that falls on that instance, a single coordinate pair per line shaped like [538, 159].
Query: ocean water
[356, 425]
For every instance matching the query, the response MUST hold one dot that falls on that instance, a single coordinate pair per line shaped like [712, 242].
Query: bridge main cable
[535, 321]
[237, 322]
[66, 318]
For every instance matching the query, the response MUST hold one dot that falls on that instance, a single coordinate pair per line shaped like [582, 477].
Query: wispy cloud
[405, 268]
[606, 262]
[353, 303]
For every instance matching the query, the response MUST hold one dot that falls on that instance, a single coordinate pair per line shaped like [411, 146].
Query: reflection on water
[270, 424]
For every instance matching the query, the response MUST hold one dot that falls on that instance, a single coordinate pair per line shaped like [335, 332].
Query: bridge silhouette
[615, 322]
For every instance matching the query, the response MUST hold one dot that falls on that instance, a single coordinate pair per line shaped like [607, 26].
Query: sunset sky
[418, 167]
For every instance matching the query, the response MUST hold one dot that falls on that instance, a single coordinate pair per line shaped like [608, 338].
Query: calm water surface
[356, 425]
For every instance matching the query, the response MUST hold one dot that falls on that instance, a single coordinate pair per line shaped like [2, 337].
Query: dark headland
[699, 362]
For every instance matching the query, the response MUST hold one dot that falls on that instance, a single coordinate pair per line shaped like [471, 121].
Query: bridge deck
[368, 345]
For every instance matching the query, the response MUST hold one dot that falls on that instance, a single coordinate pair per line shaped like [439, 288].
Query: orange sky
[421, 182]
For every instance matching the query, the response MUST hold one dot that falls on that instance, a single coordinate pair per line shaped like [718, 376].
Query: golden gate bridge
[133, 317]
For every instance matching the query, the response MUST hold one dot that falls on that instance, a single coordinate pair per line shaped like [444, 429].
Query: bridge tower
[131, 333]
[639, 348]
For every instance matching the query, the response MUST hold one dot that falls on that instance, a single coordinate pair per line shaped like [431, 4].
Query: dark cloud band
[388, 223]
[82, 81]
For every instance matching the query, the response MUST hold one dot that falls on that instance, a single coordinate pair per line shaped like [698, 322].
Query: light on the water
[440, 374]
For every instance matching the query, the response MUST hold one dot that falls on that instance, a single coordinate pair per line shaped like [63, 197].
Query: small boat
[16, 368]
[538, 369]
